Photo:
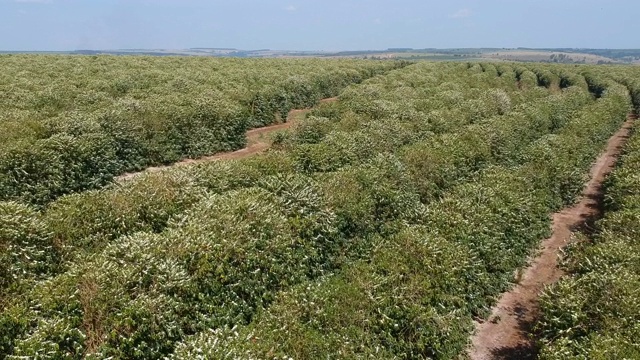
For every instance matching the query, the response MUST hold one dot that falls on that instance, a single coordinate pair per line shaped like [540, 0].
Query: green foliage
[109, 115]
[229, 255]
[381, 227]
[392, 304]
[527, 79]
[88, 221]
[27, 254]
[353, 315]
[594, 311]
[416, 292]
[27, 251]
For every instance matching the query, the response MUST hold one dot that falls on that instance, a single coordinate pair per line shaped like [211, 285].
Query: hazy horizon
[63, 25]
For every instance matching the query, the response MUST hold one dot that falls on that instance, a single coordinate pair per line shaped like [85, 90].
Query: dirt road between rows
[506, 334]
[258, 140]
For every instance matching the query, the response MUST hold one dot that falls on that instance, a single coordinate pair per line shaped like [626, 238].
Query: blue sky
[317, 25]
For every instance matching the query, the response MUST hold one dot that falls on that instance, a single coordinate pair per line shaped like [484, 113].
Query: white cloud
[461, 14]
[34, 1]
[290, 8]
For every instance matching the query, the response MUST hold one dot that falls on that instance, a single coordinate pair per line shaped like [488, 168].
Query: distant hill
[554, 55]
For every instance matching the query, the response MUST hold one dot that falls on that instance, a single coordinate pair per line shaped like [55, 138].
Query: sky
[331, 25]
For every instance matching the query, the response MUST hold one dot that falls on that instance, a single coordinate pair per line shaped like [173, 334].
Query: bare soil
[258, 140]
[507, 333]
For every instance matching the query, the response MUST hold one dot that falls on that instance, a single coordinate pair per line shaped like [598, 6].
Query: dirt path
[506, 334]
[257, 141]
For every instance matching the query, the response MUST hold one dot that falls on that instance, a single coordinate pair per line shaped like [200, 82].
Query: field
[384, 225]
[558, 55]
[108, 115]
[593, 312]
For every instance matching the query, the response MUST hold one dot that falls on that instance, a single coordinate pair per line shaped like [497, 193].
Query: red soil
[257, 142]
[507, 334]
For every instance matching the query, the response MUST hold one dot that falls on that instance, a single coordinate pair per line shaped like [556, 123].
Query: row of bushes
[72, 123]
[593, 312]
[87, 221]
[231, 253]
[416, 290]
[83, 224]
